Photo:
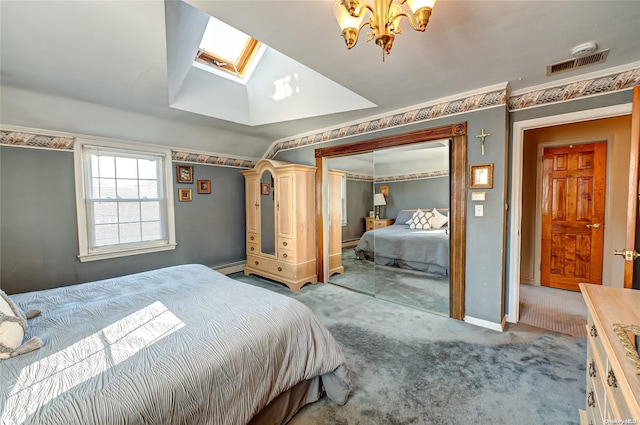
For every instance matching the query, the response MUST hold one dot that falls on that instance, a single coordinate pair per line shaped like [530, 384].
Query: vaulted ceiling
[136, 55]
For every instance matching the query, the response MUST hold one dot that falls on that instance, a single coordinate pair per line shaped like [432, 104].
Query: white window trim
[83, 237]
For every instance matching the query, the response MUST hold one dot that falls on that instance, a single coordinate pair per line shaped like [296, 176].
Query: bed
[398, 245]
[179, 345]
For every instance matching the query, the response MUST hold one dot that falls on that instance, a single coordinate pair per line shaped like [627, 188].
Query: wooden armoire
[281, 224]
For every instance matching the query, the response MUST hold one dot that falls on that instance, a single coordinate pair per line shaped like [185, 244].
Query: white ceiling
[119, 54]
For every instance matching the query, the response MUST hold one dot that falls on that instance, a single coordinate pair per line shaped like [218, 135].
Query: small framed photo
[265, 189]
[384, 190]
[371, 214]
[481, 176]
[204, 186]
[184, 173]
[184, 195]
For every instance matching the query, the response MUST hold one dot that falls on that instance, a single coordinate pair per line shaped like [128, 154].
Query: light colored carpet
[553, 309]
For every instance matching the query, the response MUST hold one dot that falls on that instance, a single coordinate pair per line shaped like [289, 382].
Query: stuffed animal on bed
[13, 327]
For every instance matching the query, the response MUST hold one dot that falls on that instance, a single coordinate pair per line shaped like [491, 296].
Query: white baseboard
[350, 243]
[230, 268]
[486, 324]
[527, 280]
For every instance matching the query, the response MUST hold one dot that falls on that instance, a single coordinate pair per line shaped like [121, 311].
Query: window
[123, 198]
[226, 51]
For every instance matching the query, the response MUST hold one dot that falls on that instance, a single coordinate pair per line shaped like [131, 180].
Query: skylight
[227, 51]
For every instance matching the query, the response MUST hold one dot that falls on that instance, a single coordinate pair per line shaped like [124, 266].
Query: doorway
[524, 264]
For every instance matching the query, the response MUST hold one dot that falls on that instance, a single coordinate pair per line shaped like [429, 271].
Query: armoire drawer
[253, 238]
[286, 243]
[257, 262]
[253, 248]
[282, 269]
[287, 255]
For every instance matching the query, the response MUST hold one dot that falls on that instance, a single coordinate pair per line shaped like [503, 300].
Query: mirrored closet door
[383, 254]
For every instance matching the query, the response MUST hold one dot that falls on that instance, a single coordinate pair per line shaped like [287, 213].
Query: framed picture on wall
[204, 186]
[184, 195]
[184, 173]
[481, 176]
[265, 189]
[384, 190]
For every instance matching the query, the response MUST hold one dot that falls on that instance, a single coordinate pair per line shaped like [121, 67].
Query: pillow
[420, 220]
[403, 217]
[13, 327]
[438, 220]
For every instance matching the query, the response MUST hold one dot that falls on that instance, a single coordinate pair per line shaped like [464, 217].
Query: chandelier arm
[412, 21]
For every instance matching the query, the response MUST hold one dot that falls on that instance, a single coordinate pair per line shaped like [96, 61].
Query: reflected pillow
[420, 220]
[438, 220]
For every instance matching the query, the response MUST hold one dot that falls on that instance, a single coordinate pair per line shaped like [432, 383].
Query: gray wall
[39, 234]
[411, 194]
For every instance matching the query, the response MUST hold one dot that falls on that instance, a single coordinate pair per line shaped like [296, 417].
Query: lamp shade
[378, 199]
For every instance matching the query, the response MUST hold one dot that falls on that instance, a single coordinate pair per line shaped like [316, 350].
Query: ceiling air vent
[575, 63]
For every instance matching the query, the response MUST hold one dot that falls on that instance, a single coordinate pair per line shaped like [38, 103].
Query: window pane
[130, 232]
[129, 212]
[151, 231]
[103, 188]
[106, 234]
[127, 189]
[105, 212]
[150, 211]
[147, 169]
[127, 168]
[149, 189]
[106, 166]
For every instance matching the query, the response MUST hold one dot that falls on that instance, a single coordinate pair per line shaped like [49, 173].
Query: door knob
[594, 225]
[628, 254]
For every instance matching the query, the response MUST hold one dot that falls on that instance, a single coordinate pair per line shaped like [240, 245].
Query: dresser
[280, 222]
[613, 386]
[377, 223]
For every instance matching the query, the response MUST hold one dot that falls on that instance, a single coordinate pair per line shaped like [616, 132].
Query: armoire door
[285, 205]
[252, 198]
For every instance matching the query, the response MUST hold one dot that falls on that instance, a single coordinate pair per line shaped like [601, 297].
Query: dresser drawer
[595, 374]
[595, 339]
[616, 405]
[253, 238]
[594, 411]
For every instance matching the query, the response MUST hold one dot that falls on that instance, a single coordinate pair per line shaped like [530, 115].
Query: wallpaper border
[570, 91]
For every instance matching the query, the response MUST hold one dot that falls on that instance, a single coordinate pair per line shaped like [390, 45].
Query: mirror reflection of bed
[387, 257]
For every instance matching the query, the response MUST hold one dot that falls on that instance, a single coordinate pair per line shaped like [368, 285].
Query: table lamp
[378, 199]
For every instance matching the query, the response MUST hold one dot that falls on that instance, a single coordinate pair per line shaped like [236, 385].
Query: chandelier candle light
[384, 19]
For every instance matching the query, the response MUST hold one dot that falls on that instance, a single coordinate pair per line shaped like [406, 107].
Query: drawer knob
[284, 243]
[252, 238]
[591, 400]
[252, 248]
[284, 255]
[611, 379]
[593, 331]
[257, 263]
[279, 269]
[592, 369]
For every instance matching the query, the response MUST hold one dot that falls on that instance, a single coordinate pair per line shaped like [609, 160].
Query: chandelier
[384, 19]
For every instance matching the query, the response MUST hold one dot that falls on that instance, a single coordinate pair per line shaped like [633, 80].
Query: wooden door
[573, 195]
[252, 188]
[285, 205]
[629, 252]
